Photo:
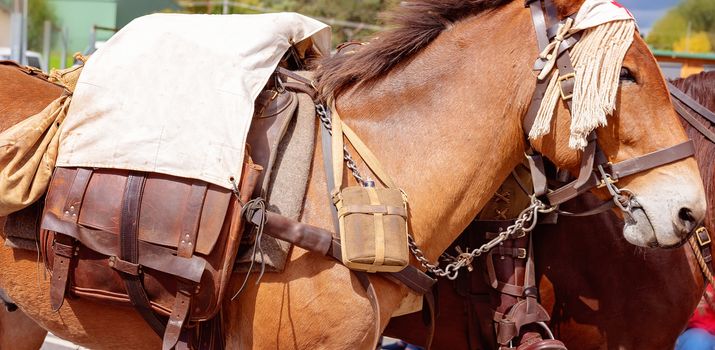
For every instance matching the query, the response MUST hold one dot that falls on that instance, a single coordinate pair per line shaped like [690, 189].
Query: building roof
[686, 55]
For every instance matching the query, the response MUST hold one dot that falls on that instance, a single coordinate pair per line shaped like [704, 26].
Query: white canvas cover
[174, 93]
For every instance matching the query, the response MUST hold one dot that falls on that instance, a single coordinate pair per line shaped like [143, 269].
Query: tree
[673, 27]
[697, 43]
[667, 31]
[363, 11]
[39, 11]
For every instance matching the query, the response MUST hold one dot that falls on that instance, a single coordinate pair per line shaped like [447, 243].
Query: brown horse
[19, 332]
[438, 108]
[602, 292]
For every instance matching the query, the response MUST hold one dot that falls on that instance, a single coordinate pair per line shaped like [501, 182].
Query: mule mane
[701, 88]
[414, 25]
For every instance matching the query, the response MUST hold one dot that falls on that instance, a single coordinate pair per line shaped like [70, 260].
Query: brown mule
[440, 109]
[595, 307]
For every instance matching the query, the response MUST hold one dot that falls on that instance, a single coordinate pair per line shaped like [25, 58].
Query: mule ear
[567, 7]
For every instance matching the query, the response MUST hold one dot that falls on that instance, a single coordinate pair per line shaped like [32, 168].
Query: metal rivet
[187, 236]
[67, 212]
[71, 207]
[183, 241]
[189, 243]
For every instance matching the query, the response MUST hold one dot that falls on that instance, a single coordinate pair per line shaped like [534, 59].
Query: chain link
[525, 223]
[326, 120]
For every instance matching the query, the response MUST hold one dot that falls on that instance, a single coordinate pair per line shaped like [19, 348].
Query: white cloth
[174, 93]
[596, 12]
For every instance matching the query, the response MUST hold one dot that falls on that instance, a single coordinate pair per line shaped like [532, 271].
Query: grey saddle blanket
[287, 187]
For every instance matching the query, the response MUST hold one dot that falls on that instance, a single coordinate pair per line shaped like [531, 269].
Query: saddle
[163, 244]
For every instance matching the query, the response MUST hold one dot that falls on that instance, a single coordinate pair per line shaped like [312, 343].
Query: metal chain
[525, 223]
[326, 119]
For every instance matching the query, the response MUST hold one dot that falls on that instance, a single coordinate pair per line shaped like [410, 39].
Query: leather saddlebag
[162, 244]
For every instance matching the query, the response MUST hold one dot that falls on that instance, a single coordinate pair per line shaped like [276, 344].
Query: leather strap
[64, 246]
[622, 169]
[374, 302]
[602, 208]
[340, 129]
[129, 250]
[64, 251]
[652, 160]
[373, 209]
[191, 220]
[691, 103]
[150, 255]
[179, 314]
[326, 144]
[321, 241]
[685, 114]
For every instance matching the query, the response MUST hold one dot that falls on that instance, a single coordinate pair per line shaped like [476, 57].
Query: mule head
[671, 197]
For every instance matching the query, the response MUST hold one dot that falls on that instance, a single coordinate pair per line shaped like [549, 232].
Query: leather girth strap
[64, 246]
[127, 263]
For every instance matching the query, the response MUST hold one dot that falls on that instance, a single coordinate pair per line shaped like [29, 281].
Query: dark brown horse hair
[701, 87]
[414, 25]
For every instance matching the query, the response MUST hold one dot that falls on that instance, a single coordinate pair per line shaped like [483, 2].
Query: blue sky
[647, 12]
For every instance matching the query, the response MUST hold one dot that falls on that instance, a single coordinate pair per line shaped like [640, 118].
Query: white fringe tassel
[597, 59]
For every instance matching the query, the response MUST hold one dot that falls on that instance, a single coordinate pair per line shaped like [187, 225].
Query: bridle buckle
[703, 236]
[561, 80]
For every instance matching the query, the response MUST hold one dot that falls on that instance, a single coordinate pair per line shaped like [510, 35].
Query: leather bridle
[595, 170]
[681, 101]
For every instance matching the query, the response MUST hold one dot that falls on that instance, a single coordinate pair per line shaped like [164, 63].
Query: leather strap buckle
[703, 236]
[605, 182]
[521, 253]
[124, 266]
[561, 80]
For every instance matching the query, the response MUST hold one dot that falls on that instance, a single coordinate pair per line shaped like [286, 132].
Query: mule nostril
[686, 215]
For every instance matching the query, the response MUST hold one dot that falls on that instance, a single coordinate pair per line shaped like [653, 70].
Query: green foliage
[363, 11]
[39, 11]
[667, 31]
[673, 27]
[696, 43]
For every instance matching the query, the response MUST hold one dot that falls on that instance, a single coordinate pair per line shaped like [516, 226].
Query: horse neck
[446, 124]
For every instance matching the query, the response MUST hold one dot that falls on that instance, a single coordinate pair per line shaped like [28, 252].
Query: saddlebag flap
[138, 238]
[373, 228]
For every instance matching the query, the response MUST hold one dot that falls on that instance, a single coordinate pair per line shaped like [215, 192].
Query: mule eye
[626, 76]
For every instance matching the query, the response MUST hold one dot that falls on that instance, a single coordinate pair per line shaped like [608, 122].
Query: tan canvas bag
[28, 150]
[373, 221]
